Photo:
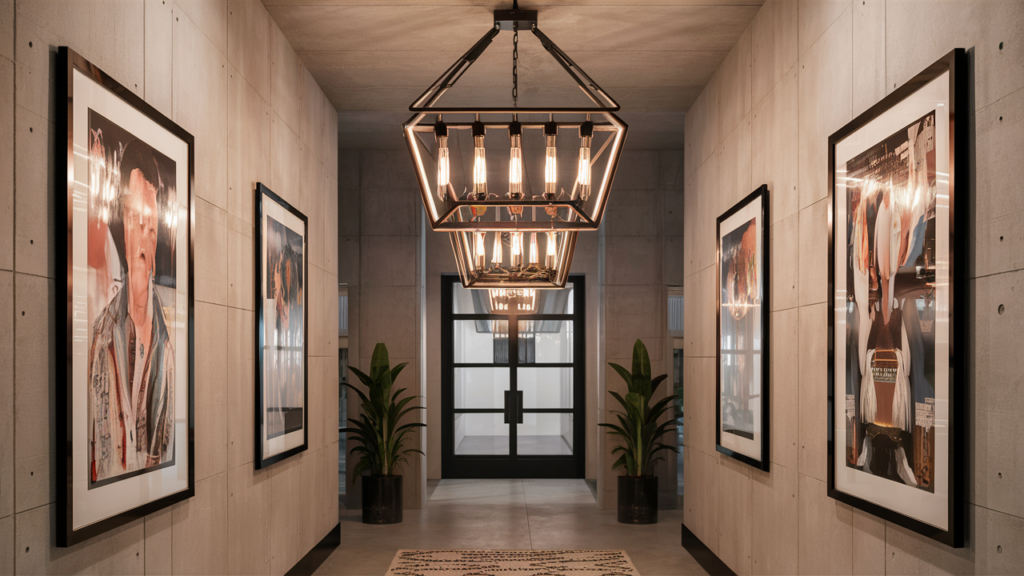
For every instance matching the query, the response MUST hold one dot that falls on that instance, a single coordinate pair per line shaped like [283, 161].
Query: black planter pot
[382, 499]
[638, 499]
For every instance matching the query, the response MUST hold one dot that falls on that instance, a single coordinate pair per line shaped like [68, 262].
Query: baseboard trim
[703, 555]
[315, 557]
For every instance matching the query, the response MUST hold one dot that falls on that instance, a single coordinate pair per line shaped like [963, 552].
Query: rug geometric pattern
[512, 562]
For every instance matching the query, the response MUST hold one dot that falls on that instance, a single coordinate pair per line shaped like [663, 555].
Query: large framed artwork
[898, 186]
[125, 384]
[282, 421]
[742, 376]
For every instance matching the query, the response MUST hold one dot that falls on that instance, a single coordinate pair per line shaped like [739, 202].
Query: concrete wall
[384, 243]
[801, 71]
[224, 72]
[380, 239]
[640, 255]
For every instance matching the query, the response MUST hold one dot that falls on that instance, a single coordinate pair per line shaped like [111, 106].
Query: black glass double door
[513, 384]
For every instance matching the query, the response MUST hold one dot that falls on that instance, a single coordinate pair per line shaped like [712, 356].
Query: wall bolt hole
[1001, 309]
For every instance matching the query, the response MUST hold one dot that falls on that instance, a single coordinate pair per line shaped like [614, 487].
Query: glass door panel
[481, 434]
[545, 341]
[546, 387]
[477, 388]
[481, 341]
[545, 435]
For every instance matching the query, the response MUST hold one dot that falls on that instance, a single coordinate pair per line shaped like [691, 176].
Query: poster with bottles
[894, 387]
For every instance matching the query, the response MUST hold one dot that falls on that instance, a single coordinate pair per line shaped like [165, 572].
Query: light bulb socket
[479, 131]
[551, 128]
[441, 131]
[515, 129]
[587, 129]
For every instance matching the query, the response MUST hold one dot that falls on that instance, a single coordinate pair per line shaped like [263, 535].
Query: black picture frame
[263, 460]
[68, 61]
[760, 195]
[955, 62]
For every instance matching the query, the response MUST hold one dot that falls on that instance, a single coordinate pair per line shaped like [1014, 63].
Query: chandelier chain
[515, 65]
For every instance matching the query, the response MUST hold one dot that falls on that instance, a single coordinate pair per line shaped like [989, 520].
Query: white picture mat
[91, 506]
[748, 447]
[296, 438]
[930, 508]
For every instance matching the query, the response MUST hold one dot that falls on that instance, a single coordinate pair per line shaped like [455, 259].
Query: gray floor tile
[510, 514]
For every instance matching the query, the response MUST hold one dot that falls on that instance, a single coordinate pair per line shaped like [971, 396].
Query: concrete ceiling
[374, 57]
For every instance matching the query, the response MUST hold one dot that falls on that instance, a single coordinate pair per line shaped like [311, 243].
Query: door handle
[519, 418]
[508, 406]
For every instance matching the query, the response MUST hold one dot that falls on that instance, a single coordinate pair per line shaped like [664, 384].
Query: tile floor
[510, 514]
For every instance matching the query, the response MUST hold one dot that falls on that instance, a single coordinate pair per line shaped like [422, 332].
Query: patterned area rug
[517, 562]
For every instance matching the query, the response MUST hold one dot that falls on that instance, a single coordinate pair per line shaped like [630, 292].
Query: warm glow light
[549, 260]
[479, 171]
[515, 171]
[443, 163]
[515, 167]
[583, 170]
[479, 161]
[443, 172]
[550, 172]
[496, 256]
[517, 250]
[534, 259]
[480, 250]
[550, 160]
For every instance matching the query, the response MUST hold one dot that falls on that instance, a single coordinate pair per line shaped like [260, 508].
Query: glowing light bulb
[583, 173]
[534, 259]
[550, 161]
[443, 162]
[549, 260]
[515, 166]
[479, 252]
[496, 255]
[479, 162]
[517, 250]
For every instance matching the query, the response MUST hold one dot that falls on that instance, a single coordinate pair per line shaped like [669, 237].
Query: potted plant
[381, 439]
[640, 434]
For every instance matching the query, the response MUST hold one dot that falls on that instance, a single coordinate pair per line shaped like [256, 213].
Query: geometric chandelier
[514, 185]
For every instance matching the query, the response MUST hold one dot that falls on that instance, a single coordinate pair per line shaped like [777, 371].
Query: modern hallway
[510, 514]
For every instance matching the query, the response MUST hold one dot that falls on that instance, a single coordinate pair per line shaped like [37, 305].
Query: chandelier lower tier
[489, 259]
[513, 185]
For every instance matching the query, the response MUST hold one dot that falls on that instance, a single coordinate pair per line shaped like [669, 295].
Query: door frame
[513, 465]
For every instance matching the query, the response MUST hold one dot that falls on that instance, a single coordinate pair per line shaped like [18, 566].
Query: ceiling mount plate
[506, 19]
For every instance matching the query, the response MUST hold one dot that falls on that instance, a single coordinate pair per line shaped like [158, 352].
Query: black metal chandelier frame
[567, 213]
[580, 218]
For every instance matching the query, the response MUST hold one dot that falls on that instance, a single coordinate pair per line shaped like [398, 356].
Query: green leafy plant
[381, 438]
[638, 426]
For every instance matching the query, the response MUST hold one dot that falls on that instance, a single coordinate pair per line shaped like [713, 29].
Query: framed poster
[898, 185]
[282, 422]
[741, 386]
[125, 390]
